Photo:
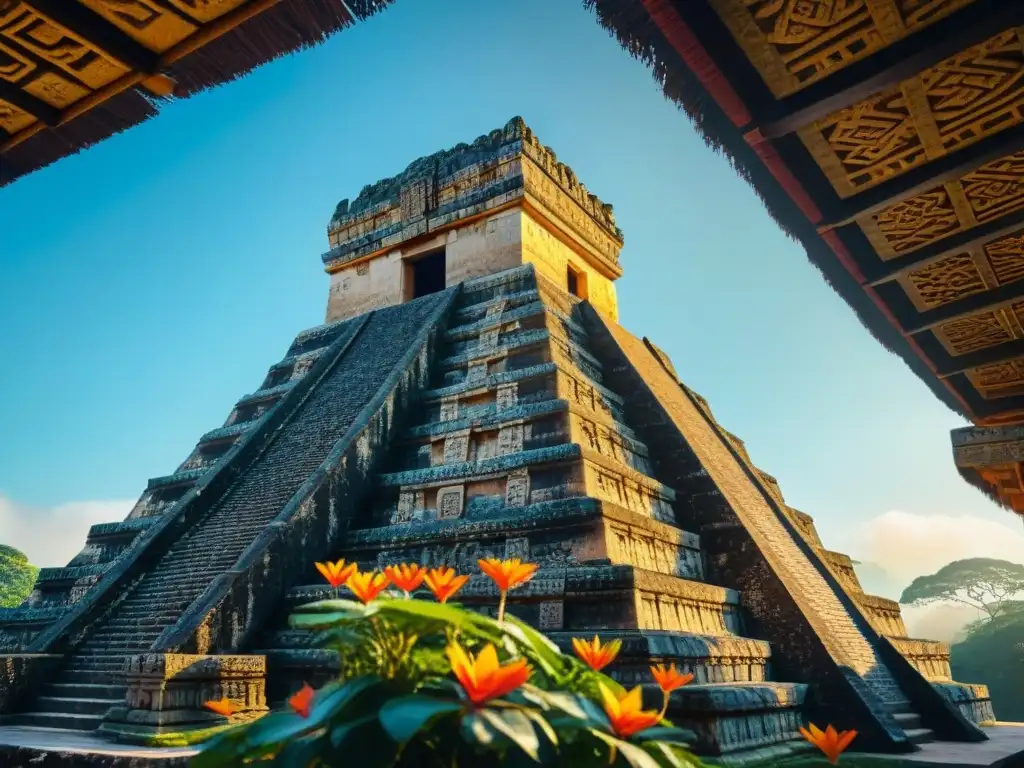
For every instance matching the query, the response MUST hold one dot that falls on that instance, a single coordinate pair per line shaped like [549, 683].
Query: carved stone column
[166, 693]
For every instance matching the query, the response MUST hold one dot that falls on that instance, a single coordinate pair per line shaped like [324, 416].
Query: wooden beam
[886, 68]
[960, 242]
[100, 32]
[948, 168]
[1000, 353]
[969, 305]
[39, 109]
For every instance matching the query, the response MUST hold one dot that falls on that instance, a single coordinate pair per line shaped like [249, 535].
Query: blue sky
[149, 282]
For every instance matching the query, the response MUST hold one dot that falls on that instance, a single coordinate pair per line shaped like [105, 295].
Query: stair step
[907, 720]
[83, 690]
[920, 735]
[63, 720]
[77, 706]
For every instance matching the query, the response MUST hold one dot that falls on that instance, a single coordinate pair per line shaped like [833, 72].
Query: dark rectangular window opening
[576, 282]
[428, 275]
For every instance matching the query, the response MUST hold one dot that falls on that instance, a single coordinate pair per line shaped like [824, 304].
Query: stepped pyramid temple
[887, 136]
[472, 394]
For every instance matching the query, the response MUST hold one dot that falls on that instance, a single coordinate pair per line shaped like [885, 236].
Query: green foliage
[17, 576]
[396, 703]
[991, 654]
[982, 583]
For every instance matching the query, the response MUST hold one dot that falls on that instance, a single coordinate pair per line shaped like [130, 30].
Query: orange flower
[224, 707]
[508, 574]
[830, 741]
[482, 677]
[406, 577]
[444, 583]
[302, 701]
[366, 586]
[670, 678]
[336, 573]
[625, 714]
[595, 655]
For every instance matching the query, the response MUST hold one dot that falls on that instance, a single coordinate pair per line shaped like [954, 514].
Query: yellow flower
[482, 677]
[595, 655]
[830, 741]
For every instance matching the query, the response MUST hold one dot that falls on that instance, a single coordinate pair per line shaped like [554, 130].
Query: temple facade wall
[479, 247]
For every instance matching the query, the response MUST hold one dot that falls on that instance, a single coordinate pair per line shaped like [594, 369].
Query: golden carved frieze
[974, 94]
[12, 118]
[996, 188]
[1006, 255]
[37, 37]
[205, 11]
[147, 21]
[980, 331]
[998, 379]
[911, 223]
[993, 190]
[794, 43]
[944, 281]
[866, 144]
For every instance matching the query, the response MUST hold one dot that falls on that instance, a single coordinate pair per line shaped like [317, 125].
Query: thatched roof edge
[629, 22]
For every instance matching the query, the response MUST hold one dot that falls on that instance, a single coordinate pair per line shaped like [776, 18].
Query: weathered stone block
[166, 693]
[21, 673]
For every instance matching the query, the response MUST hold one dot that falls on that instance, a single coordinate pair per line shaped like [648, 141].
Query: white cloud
[908, 545]
[51, 536]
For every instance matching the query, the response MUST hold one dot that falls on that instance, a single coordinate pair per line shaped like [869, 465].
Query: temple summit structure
[472, 394]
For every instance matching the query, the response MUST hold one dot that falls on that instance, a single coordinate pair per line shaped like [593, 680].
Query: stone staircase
[364, 352]
[523, 450]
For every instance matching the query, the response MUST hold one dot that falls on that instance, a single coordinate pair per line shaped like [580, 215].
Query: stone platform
[53, 748]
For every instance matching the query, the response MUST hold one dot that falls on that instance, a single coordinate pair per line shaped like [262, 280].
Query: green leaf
[353, 607]
[342, 731]
[221, 750]
[476, 730]
[674, 756]
[300, 753]
[406, 716]
[631, 753]
[545, 727]
[544, 652]
[278, 727]
[516, 726]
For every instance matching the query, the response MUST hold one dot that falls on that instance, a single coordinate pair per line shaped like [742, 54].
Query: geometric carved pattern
[912, 223]
[870, 142]
[974, 94]
[793, 43]
[993, 380]
[146, 21]
[996, 188]
[979, 91]
[947, 280]
[1006, 255]
[969, 334]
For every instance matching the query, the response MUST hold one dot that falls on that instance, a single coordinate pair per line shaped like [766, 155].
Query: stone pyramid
[472, 394]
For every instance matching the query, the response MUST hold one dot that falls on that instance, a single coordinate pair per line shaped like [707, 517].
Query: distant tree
[986, 584]
[17, 576]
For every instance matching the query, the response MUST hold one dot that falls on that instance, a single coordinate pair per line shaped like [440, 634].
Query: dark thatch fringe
[117, 114]
[288, 26]
[973, 477]
[629, 23]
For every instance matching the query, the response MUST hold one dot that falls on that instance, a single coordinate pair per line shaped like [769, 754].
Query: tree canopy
[17, 576]
[983, 583]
